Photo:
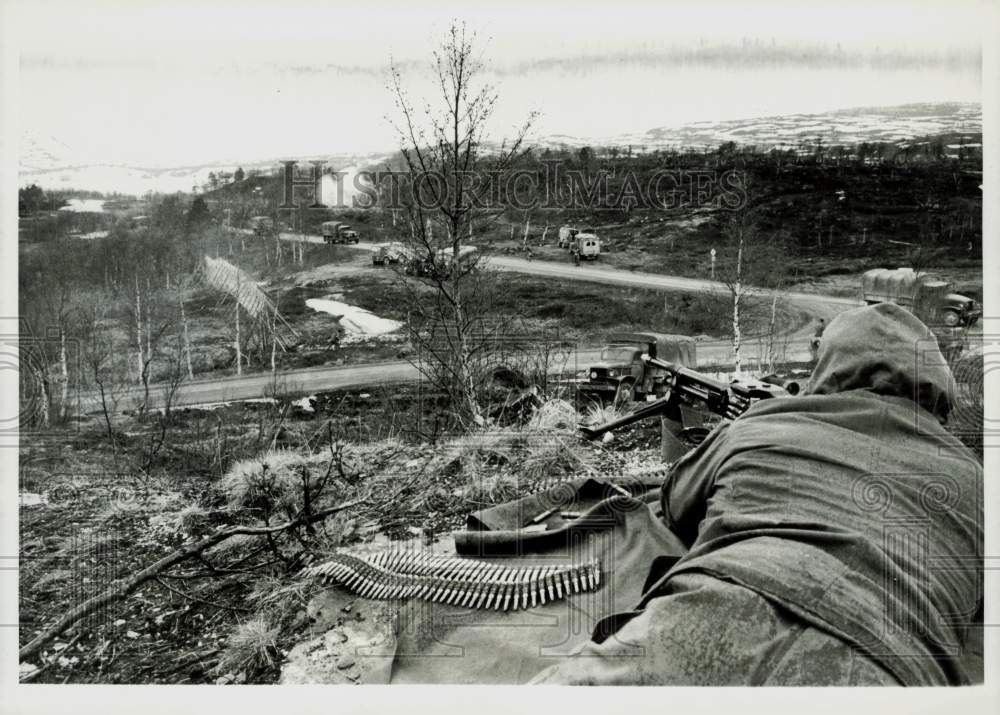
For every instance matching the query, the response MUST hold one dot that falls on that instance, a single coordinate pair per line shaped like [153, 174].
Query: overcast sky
[188, 82]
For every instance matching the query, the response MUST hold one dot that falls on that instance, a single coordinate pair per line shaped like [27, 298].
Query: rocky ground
[88, 517]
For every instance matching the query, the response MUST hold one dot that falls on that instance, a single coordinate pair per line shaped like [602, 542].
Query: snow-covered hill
[51, 164]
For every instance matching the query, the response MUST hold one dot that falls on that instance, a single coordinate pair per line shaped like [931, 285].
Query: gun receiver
[689, 386]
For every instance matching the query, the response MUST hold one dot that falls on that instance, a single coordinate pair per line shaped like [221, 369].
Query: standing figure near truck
[817, 337]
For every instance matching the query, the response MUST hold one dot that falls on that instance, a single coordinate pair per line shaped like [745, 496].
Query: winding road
[596, 273]
[307, 381]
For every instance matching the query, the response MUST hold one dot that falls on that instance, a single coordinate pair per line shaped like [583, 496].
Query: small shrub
[274, 481]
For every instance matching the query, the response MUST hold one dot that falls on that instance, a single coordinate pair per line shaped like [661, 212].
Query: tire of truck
[624, 394]
[951, 318]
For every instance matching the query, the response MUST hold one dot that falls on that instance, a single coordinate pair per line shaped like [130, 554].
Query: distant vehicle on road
[586, 245]
[262, 226]
[443, 261]
[566, 236]
[394, 252]
[338, 232]
[924, 294]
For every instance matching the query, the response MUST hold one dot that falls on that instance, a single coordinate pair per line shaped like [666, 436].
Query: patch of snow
[32, 499]
[94, 206]
[357, 322]
[217, 405]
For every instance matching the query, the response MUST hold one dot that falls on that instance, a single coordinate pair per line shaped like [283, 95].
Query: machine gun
[686, 386]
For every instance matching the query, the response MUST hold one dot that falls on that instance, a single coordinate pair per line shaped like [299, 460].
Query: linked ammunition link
[462, 582]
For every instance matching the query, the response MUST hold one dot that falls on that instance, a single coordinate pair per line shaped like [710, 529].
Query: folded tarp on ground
[438, 643]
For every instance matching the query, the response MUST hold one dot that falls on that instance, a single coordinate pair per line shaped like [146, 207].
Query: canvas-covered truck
[566, 236]
[621, 374]
[923, 294]
[338, 232]
[586, 245]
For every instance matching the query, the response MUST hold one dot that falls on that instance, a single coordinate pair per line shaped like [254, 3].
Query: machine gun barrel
[653, 409]
[726, 400]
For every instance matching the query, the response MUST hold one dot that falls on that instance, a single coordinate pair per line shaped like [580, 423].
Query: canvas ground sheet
[438, 643]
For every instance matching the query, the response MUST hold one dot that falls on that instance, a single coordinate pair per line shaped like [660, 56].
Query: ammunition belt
[462, 582]
[627, 477]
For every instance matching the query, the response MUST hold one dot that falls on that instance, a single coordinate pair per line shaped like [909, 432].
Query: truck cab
[621, 374]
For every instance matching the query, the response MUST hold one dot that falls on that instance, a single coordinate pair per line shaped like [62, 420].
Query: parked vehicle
[566, 236]
[622, 375]
[443, 261]
[388, 253]
[338, 232]
[924, 294]
[586, 245]
[262, 226]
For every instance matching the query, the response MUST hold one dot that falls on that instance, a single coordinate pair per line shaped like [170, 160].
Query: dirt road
[307, 381]
[293, 383]
[596, 273]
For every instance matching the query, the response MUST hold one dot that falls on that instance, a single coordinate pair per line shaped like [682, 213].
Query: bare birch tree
[445, 157]
[750, 262]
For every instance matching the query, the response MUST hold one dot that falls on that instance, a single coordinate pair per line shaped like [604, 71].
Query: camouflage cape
[835, 537]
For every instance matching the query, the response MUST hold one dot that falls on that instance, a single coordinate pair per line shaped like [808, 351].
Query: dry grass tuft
[554, 415]
[253, 646]
[598, 414]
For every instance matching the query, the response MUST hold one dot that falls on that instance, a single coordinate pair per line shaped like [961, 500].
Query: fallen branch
[191, 597]
[38, 671]
[122, 589]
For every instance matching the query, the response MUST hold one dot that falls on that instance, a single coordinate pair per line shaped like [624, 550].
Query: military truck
[338, 232]
[621, 375]
[394, 252]
[262, 226]
[566, 235]
[443, 261]
[586, 244]
[923, 294]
